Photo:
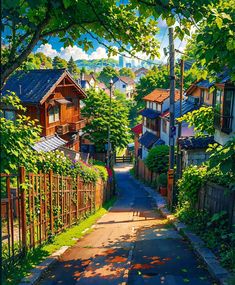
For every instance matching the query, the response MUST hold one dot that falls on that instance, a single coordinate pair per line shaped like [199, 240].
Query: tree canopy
[125, 71]
[26, 23]
[38, 60]
[107, 73]
[59, 62]
[96, 108]
[213, 45]
[72, 67]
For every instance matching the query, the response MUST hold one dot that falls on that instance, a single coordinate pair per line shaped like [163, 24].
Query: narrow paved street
[132, 230]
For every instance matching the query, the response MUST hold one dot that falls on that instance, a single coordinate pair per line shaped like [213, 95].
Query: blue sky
[55, 47]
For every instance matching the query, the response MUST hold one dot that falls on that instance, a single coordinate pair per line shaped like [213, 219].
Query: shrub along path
[131, 231]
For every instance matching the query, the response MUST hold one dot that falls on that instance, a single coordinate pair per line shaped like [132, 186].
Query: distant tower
[121, 61]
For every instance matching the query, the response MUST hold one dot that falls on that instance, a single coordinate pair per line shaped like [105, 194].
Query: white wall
[166, 105]
[144, 152]
[128, 89]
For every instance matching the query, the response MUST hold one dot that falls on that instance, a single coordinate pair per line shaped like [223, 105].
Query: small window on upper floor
[9, 114]
[164, 126]
[124, 86]
[54, 114]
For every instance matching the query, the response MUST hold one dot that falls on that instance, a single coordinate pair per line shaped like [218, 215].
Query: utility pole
[178, 171]
[171, 194]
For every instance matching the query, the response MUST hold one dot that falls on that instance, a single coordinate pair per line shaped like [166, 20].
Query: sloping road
[131, 230]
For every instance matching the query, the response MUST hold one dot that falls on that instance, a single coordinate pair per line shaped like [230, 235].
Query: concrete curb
[37, 273]
[128, 264]
[220, 274]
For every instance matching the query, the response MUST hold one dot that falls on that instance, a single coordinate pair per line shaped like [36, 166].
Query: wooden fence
[124, 159]
[44, 204]
[215, 198]
[144, 173]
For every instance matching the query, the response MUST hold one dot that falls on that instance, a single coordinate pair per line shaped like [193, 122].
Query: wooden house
[52, 97]
[222, 98]
[201, 92]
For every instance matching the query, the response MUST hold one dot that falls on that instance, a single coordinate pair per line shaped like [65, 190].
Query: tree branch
[9, 67]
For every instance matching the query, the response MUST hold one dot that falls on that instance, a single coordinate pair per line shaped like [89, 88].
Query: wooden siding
[68, 113]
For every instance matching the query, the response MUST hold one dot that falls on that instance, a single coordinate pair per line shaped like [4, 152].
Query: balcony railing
[223, 123]
[74, 127]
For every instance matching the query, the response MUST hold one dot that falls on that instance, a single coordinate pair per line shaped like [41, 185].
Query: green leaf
[170, 21]
[219, 22]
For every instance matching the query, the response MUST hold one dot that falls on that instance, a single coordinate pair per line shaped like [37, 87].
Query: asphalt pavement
[131, 244]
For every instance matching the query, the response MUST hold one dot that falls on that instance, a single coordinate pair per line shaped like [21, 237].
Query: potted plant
[162, 181]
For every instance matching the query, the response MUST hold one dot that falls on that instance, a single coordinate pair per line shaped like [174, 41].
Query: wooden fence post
[77, 204]
[50, 201]
[23, 209]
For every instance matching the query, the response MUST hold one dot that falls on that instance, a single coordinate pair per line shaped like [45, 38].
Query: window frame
[9, 110]
[56, 115]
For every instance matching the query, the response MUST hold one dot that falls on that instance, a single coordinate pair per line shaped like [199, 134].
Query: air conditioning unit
[62, 129]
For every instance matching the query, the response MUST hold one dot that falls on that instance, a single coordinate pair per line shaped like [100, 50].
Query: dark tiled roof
[149, 139]
[32, 85]
[205, 84]
[49, 143]
[187, 106]
[149, 113]
[195, 143]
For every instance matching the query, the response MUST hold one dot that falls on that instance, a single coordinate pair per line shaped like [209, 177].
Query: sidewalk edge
[220, 274]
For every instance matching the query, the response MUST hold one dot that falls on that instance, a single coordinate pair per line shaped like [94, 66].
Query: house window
[54, 115]
[207, 95]
[124, 86]
[164, 126]
[9, 114]
[228, 110]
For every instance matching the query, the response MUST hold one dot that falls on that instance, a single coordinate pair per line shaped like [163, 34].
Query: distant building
[139, 73]
[125, 85]
[157, 102]
[121, 61]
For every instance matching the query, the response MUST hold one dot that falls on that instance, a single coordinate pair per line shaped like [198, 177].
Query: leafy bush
[162, 180]
[17, 138]
[102, 172]
[53, 160]
[157, 159]
[212, 229]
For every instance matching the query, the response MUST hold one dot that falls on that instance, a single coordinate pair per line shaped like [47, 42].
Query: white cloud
[100, 52]
[48, 50]
[74, 51]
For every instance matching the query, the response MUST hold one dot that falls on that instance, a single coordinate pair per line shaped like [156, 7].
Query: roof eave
[66, 73]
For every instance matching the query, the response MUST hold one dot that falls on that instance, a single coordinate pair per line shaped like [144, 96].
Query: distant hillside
[96, 63]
